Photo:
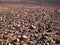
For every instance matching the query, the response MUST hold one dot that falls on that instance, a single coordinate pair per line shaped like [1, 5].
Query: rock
[1, 18]
[58, 32]
[25, 37]
[31, 27]
[57, 41]
[48, 44]
[17, 28]
[49, 30]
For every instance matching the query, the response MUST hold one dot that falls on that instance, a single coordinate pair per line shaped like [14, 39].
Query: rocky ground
[29, 26]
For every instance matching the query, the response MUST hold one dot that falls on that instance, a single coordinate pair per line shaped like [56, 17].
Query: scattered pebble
[29, 26]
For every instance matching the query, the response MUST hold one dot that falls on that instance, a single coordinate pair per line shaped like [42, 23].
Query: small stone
[48, 27]
[57, 41]
[33, 26]
[1, 18]
[4, 37]
[43, 38]
[21, 38]
[18, 25]
[0, 41]
[49, 30]
[48, 44]
[58, 33]
[25, 37]
[45, 35]
[9, 44]
[0, 32]
[21, 44]
[18, 40]
[17, 28]
[15, 40]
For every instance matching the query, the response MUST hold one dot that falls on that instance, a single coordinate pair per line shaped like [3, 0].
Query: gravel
[30, 26]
